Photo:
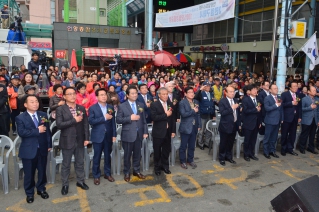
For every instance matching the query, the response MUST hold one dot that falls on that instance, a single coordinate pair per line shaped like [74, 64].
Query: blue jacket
[188, 115]
[206, 106]
[273, 113]
[31, 138]
[66, 83]
[146, 109]
[100, 126]
[307, 112]
[113, 82]
[122, 95]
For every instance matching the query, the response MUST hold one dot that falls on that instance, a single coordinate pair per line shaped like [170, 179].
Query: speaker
[300, 197]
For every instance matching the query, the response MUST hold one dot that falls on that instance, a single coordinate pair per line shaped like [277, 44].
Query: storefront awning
[125, 53]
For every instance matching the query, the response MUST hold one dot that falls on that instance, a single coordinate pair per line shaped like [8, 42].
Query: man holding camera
[33, 65]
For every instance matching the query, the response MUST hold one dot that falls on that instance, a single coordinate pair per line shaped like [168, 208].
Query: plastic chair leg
[53, 169]
[238, 148]
[5, 181]
[16, 178]
[215, 151]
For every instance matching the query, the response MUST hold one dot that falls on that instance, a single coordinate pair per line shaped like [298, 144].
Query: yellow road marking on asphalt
[18, 206]
[286, 172]
[145, 200]
[230, 181]
[81, 196]
[199, 189]
[134, 179]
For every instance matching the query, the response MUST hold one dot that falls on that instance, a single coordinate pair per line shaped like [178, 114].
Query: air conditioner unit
[27, 2]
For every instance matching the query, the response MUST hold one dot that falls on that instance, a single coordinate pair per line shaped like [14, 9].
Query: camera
[118, 58]
[42, 57]
[18, 18]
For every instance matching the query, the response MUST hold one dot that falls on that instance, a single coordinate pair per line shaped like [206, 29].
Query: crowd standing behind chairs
[148, 112]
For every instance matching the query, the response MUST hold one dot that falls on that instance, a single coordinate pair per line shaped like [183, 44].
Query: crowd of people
[246, 102]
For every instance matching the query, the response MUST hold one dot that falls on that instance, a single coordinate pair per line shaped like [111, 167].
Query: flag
[229, 60]
[159, 44]
[226, 58]
[311, 50]
[290, 61]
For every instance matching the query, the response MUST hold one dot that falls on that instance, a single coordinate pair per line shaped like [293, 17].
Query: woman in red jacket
[83, 97]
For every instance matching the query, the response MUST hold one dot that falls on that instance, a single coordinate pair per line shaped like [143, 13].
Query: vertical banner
[212, 11]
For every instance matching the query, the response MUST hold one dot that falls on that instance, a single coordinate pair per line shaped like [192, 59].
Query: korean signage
[224, 47]
[40, 45]
[212, 11]
[98, 29]
[60, 54]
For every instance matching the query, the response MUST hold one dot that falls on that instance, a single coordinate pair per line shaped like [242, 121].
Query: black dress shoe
[254, 158]
[231, 161]
[166, 171]
[312, 151]
[267, 156]
[222, 162]
[283, 153]
[157, 173]
[274, 154]
[302, 151]
[30, 199]
[65, 190]
[247, 158]
[293, 153]
[43, 194]
[202, 147]
[83, 186]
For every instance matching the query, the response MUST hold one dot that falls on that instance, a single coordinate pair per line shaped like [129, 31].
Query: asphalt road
[246, 186]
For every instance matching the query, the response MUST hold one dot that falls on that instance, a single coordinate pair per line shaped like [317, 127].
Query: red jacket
[13, 98]
[80, 98]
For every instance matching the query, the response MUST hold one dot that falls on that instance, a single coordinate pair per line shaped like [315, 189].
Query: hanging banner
[212, 11]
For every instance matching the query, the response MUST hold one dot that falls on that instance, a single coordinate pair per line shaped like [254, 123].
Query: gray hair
[169, 83]
[161, 89]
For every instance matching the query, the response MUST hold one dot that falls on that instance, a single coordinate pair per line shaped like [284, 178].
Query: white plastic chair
[212, 127]
[259, 140]
[52, 126]
[175, 145]
[239, 142]
[18, 167]
[148, 146]
[4, 161]
[298, 132]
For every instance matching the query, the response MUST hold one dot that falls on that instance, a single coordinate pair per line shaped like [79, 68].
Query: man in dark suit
[228, 126]
[291, 117]
[272, 121]
[103, 134]
[3, 107]
[134, 128]
[173, 98]
[190, 125]
[309, 121]
[261, 96]
[145, 98]
[36, 143]
[251, 122]
[72, 120]
[207, 112]
[164, 128]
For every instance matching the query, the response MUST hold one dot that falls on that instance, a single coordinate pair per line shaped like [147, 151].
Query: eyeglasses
[70, 94]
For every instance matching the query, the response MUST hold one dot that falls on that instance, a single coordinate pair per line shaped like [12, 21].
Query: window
[4, 60]
[102, 12]
[17, 61]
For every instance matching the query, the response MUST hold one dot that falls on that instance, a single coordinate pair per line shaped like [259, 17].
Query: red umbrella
[165, 59]
[73, 60]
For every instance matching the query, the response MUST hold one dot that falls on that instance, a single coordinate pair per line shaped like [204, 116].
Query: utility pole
[236, 31]
[148, 25]
[283, 42]
[273, 48]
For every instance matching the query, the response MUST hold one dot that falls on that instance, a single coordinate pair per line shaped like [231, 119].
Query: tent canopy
[126, 54]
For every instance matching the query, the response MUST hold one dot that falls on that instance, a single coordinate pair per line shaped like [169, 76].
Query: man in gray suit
[134, 128]
[72, 120]
[309, 121]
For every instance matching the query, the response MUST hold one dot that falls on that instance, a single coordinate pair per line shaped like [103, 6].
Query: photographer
[33, 65]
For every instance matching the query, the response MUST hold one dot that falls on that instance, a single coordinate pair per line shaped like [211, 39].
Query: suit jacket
[129, 127]
[31, 138]
[100, 126]
[160, 120]
[146, 109]
[66, 83]
[3, 99]
[188, 115]
[307, 112]
[71, 131]
[273, 113]
[177, 99]
[261, 97]
[226, 123]
[251, 116]
[288, 108]
[54, 101]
